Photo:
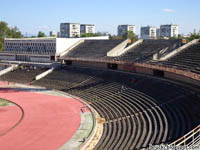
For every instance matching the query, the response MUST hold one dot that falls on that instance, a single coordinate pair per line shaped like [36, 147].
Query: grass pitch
[4, 103]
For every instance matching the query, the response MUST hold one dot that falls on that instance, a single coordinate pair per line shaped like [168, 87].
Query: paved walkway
[48, 122]
[83, 132]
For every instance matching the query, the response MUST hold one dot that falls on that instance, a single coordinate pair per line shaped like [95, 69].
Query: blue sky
[31, 16]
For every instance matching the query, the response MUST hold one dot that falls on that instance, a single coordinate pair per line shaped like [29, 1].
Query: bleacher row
[93, 48]
[188, 59]
[144, 52]
[138, 110]
[24, 74]
[131, 115]
[2, 67]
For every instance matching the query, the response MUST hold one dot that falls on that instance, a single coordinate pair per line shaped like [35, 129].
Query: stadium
[103, 94]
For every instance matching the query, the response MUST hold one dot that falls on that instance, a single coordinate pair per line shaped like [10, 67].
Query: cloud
[168, 10]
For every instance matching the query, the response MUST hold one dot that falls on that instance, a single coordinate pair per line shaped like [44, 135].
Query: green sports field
[4, 103]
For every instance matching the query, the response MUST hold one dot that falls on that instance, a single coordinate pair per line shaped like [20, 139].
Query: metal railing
[189, 140]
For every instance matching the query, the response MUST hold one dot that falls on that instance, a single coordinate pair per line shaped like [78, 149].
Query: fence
[190, 140]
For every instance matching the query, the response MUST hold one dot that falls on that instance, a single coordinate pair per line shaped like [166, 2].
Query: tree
[131, 36]
[16, 33]
[8, 32]
[4, 29]
[1, 45]
[193, 36]
[41, 34]
[90, 34]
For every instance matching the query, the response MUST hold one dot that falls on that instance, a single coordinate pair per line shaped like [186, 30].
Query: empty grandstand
[188, 59]
[139, 110]
[145, 51]
[62, 78]
[127, 80]
[93, 48]
[2, 67]
[23, 74]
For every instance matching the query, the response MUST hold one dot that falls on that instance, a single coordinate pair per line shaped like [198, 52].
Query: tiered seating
[146, 111]
[144, 52]
[196, 70]
[66, 77]
[23, 74]
[2, 67]
[189, 59]
[93, 48]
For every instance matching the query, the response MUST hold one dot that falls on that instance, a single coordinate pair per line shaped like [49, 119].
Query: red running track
[3, 83]
[10, 116]
[49, 121]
